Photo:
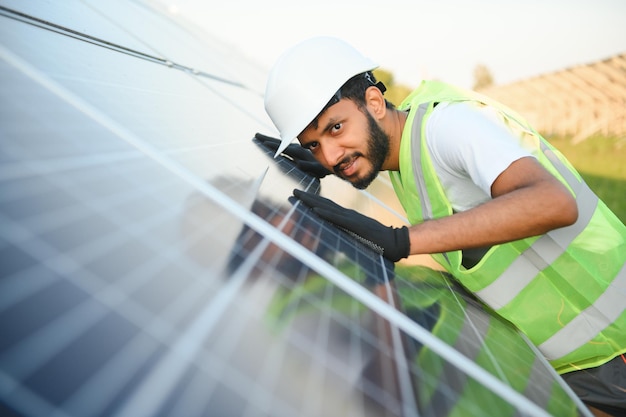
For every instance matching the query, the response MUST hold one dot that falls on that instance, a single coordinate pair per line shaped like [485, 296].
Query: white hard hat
[305, 78]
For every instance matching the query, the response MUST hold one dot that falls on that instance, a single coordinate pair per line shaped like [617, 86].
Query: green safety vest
[564, 289]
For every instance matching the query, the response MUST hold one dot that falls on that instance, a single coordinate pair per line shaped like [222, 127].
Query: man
[494, 203]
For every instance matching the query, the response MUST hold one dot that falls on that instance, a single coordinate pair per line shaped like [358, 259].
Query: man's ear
[375, 102]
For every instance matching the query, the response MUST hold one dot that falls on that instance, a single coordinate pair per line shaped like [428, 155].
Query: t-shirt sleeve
[472, 142]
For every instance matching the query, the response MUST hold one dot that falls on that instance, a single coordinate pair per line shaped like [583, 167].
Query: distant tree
[482, 77]
[385, 76]
[396, 93]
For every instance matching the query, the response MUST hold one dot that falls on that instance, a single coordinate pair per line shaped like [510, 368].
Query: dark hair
[354, 89]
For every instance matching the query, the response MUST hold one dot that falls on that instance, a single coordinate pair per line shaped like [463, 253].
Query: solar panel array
[152, 262]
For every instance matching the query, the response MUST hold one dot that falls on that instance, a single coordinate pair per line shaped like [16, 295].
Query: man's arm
[527, 201]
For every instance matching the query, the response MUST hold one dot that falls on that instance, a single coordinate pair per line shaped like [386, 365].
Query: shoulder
[465, 118]
[469, 126]
[469, 140]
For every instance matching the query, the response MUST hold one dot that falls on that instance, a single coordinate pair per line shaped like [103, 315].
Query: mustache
[345, 161]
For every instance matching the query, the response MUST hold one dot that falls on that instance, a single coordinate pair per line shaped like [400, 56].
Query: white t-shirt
[470, 147]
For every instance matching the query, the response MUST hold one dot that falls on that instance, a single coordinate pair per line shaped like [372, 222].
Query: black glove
[303, 158]
[392, 242]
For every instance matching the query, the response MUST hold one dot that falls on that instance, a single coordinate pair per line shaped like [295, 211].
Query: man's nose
[333, 154]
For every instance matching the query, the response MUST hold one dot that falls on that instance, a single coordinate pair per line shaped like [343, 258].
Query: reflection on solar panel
[152, 263]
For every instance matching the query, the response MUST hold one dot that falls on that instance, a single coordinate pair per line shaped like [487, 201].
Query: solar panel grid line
[240, 382]
[479, 324]
[23, 284]
[52, 333]
[536, 375]
[358, 340]
[222, 373]
[367, 344]
[337, 356]
[403, 370]
[82, 37]
[358, 353]
[10, 171]
[404, 375]
[193, 400]
[241, 274]
[201, 41]
[43, 219]
[22, 200]
[546, 368]
[214, 371]
[456, 380]
[312, 403]
[256, 403]
[25, 400]
[61, 30]
[17, 287]
[149, 395]
[29, 242]
[242, 108]
[386, 206]
[128, 31]
[110, 380]
[136, 230]
[261, 400]
[269, 374]
[125, 371]
[187, 31]
[42, 345]
[322, 387]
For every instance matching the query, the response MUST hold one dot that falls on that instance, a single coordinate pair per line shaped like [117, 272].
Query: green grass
[601, 161]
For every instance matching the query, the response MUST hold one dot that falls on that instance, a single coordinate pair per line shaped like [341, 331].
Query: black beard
[378, 151]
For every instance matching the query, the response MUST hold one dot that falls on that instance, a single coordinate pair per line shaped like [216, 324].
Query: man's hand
[394, 242]
[303, 158]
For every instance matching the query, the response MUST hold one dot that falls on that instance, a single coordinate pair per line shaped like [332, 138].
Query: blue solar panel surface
[152, 262]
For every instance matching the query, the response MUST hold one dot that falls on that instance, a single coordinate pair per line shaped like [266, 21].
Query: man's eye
[336, 127]
[312, 146]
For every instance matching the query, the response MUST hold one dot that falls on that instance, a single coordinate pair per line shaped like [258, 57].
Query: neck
[394, 126]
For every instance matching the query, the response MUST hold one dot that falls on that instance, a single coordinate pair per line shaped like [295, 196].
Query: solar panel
[152, 262]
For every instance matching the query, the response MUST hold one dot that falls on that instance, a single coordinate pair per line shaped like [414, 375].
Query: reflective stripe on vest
[607, 308]
[416, 146]
[418, 170]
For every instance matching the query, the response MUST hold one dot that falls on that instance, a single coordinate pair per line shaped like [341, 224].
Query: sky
[425, 39]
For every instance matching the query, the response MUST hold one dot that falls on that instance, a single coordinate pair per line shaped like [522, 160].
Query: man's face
[348, 141]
